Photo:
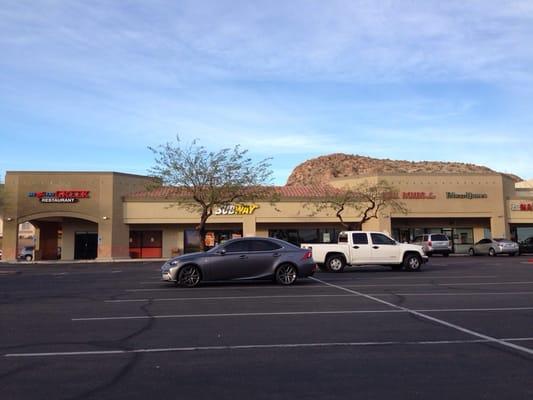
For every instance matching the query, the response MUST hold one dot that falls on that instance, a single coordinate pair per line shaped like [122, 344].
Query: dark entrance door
[85, 245]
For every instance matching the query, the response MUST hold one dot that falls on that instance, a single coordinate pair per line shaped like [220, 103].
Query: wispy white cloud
[396, 79]
[167, 42]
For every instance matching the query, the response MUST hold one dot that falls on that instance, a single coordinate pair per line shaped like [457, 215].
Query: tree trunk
[201, 228]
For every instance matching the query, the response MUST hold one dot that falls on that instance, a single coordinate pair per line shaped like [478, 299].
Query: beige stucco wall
[103, 207]
[520, 216]
[496, 187]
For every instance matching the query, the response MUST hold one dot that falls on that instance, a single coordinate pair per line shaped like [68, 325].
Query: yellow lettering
[245, 209]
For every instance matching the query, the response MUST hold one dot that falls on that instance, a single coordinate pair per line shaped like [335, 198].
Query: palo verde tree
[367, 201]
[206, 179]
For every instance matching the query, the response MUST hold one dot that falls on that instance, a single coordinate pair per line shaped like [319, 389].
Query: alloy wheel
[286, 274]
[189, 276]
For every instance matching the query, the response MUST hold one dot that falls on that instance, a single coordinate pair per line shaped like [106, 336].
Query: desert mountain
[321, 169]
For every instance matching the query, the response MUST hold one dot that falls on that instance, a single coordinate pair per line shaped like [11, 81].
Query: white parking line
[421, 314]
[454, 294]
[312, 296]
[169, 287]
[259, 346]
[433, 310]
[258, 314]
[433, 276]
[443, 284]
[397, 309]
[228, 298]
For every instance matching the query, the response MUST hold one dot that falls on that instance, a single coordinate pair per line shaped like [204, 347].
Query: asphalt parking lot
[460, 328]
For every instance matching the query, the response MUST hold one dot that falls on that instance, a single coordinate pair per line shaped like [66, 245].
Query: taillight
[429, 243]
[308, 254]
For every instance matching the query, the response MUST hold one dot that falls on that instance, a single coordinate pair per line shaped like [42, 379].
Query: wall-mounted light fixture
[9, 219]
[105, 218]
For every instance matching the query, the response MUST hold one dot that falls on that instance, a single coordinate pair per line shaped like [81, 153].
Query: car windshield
[439, 238]
[501, 240]
[214, 249]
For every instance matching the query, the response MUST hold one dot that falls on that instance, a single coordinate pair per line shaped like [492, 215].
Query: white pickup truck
[366, 248]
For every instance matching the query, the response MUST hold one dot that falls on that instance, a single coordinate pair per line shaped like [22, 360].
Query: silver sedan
[242, 258]
[493, 247]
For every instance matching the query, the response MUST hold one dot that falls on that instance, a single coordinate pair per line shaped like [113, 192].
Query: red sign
[418, 195]
[526, 207]
[521, 206]
[60, 196]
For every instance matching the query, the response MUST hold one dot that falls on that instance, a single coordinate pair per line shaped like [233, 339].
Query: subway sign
[60, 196]
[236, 209]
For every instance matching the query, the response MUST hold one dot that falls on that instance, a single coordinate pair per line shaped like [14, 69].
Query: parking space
[461, 326]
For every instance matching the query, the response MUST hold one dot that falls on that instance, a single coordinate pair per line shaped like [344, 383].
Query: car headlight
[169, 264]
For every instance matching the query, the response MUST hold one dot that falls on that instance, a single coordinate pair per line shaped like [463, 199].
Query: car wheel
[189, 276]
[286, 274]
[412, 262]
[472, 252]
[512, 254]
[335, 263]
[28, 257]
[492, 252]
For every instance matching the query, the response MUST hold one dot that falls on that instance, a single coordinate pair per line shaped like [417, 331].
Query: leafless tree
[368, 200]
[203, 179]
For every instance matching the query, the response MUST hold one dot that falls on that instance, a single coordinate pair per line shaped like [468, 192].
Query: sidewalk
[96, 261]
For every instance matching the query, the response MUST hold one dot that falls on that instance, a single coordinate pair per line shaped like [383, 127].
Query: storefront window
[306, 235]
[524, 232]
[463, 236]
[146, 244]
[192, 241]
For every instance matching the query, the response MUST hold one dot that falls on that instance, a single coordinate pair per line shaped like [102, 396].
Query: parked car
[241, 258]
[434, 243]
[526, 245]
[493, 247]
[26, 253]
[366, 248]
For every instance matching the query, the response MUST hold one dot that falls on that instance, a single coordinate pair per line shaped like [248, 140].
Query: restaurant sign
[466, 195]
[418, 195]
[60, 196]
[522, 206]
[236, 209]
[409, 195]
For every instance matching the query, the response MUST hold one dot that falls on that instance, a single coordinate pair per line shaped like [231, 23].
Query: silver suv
[26, 253]
[434, 243]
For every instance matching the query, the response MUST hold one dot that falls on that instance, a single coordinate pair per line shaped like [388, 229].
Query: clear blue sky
[89, 85]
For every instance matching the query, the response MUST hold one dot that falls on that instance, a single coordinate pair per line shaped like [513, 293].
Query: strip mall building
[109, 215]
